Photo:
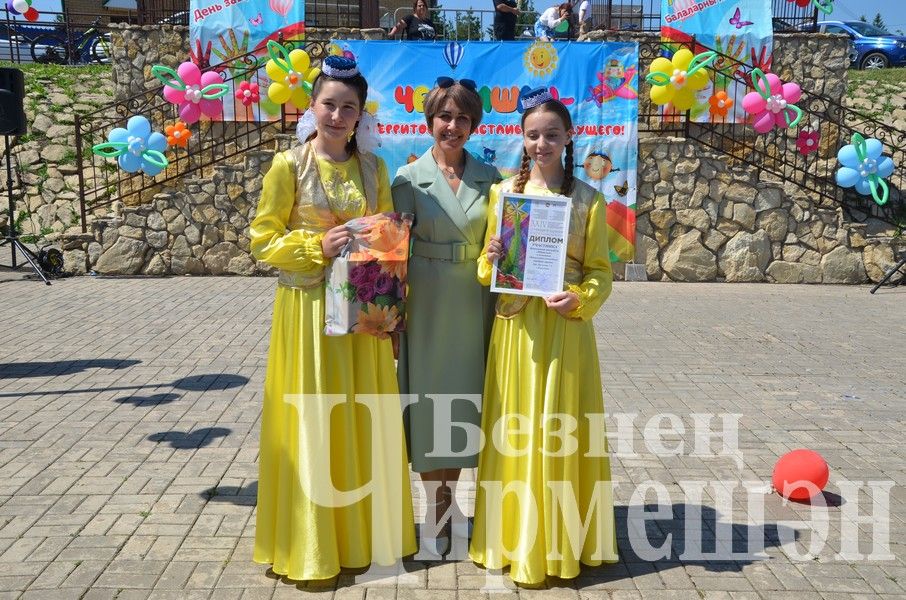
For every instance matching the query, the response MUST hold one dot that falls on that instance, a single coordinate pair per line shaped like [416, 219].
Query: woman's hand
[334, 240]
[395, 342]
[563, 302]
[495, 249]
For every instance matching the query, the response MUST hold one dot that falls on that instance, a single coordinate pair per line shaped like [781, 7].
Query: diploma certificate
[534, 231]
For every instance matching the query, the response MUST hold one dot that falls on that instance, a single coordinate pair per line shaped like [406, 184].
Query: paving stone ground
[129, 416]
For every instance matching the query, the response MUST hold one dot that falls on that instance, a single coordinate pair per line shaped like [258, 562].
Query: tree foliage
[879, 22]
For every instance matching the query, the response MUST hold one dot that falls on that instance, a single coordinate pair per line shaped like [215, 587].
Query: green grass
[64, 78]
[58, 72]
[873, 76]
[881, 87]
[69, 158]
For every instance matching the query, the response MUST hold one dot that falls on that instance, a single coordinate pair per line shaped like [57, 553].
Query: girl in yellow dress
[544, 500]
[333, 487]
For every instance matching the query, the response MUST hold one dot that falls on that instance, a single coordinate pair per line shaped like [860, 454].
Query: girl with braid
[544, 500]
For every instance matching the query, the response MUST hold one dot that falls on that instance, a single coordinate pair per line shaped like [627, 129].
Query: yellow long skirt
[539, 475]
[333, 487]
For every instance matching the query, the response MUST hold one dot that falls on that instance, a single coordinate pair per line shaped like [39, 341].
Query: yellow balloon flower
[291, 76]
[676, 80]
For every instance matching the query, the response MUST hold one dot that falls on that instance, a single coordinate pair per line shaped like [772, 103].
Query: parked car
[17, 49]
[177, 18]
[875, 48]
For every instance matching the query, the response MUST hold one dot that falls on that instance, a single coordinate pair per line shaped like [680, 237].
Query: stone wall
[47, 183]
[199, 229]
[818, 62]
[702, 220]
[699, 219]
[137, 48]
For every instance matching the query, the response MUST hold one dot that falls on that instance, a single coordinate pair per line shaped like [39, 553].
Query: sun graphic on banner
[540, 58]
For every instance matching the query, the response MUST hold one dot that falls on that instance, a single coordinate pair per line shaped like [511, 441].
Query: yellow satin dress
[333, 488]
[544, 463]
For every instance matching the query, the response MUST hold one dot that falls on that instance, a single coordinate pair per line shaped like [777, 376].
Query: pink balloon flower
[772, 103]
[248, 93]
[807, 141]
[190, 93]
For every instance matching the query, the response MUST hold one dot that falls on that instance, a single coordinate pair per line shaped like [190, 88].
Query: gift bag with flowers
[366, 283]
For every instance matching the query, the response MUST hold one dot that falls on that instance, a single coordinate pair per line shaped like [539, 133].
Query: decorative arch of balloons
[200, 95]
[772, 105]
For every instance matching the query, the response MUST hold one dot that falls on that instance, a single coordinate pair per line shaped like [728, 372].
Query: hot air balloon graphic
[452, 53]
[281, 7]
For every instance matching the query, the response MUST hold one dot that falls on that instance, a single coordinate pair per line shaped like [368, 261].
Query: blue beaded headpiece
[535, 97]
[339, 67]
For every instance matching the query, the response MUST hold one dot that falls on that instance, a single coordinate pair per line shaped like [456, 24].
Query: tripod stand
[890, 274]
[12, 237]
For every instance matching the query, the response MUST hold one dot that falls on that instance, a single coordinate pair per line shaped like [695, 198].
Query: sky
[844, 10]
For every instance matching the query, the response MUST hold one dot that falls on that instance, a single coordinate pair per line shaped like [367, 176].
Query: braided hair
[557, 107]
[568, 167]
[522, 177]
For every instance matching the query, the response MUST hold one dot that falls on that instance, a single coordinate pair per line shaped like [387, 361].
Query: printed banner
[740, 30]
[221, 30]
[597, 82]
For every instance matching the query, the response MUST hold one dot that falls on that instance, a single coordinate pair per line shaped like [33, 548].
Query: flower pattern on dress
[346, 201]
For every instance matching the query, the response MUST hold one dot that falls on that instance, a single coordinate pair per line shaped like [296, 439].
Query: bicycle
[72, 47]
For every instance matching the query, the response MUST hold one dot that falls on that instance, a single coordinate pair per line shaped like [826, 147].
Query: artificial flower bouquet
[366, 283]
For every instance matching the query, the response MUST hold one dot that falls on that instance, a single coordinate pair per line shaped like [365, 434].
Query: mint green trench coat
[448, 313]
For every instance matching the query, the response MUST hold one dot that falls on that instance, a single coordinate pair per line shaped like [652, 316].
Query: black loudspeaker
[12, 98]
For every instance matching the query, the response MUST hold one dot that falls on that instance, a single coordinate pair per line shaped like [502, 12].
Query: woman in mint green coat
[448, 313]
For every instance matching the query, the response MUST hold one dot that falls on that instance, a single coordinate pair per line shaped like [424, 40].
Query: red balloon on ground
[800, 466]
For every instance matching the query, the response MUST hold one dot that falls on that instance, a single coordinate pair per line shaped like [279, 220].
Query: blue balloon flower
[864, 168]
[136, 147]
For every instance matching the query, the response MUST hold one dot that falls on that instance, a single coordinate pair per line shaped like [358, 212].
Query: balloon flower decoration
[676, 80]
[720, 103]
[195, 92]
[291, 76]
[825, 6]
[177, 134]
[24, 8]
[135, 148]
[248, 93]
[772, 102]
[800, 475]
[864, 168]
